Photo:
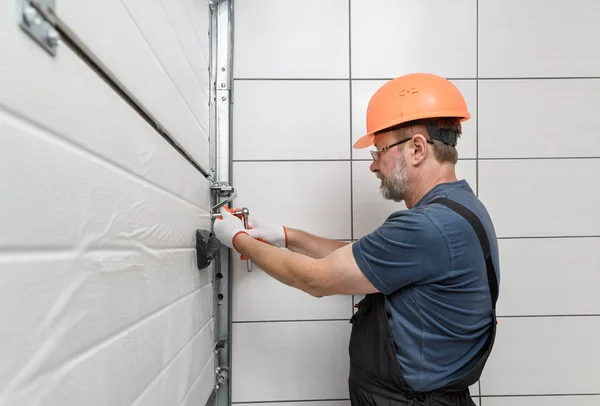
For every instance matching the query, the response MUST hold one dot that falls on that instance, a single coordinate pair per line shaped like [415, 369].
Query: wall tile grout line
[555, 158]
[546, 316]
[351, 130]
[537, 395]
[477, 127]
[542, 237]
[258, 402]
[449, 78]
[308, 79]
[539, 158]
[477, 105]
[526, 316]
[540, 78]
[481, 396]
[288, 321]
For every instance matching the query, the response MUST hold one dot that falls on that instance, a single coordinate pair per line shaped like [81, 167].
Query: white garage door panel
[67, 303]
[193, 37]
[178, 378]
[199, 14]
[155, 82]
[66, 97]
[164, 33]
[120, 369]
[202, 388]
[87, 202]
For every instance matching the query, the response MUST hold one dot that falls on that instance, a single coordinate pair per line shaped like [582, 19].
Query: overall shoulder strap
[483, 241]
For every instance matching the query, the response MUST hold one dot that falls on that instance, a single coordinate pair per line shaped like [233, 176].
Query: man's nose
[374, 166]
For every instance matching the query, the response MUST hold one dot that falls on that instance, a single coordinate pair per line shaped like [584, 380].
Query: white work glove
[271, 234]
[227, 228]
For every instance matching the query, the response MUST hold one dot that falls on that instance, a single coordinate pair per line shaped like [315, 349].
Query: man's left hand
[228, 228]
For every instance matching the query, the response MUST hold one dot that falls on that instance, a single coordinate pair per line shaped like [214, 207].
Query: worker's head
[414, 122]
[407, 153]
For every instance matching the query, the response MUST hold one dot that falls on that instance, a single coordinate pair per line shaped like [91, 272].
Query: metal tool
[243, 214]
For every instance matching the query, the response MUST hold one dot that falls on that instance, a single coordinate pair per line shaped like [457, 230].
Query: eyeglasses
[375, 153]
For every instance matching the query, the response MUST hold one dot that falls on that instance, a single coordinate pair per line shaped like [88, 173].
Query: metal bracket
[221, 373]
[221, 376]
[38, 19]
[222, 189]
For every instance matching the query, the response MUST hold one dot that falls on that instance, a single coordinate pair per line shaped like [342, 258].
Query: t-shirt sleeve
[407, 249]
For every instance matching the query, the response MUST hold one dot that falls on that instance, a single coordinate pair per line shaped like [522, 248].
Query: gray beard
[394, 186]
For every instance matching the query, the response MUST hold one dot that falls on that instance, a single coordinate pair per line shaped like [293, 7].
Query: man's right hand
[272, 234]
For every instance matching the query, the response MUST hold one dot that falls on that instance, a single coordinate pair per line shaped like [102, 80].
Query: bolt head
[223, 85]
[30, 15]
[223, 98]
[222, 69]
[52, 37]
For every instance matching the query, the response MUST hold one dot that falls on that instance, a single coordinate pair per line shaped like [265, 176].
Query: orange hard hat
[411, 97]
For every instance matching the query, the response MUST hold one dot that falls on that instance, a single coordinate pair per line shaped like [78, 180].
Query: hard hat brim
[365, 141]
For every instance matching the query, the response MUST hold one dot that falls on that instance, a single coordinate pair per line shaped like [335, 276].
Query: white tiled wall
[304, 72]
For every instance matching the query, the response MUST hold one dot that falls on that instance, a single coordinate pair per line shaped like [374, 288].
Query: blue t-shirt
[429, 264]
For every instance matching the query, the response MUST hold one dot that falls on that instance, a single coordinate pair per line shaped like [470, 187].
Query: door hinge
[38, 19]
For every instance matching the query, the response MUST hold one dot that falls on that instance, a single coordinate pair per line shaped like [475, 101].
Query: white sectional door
[101, 300]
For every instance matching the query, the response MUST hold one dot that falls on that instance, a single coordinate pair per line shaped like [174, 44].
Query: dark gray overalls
[375, 376]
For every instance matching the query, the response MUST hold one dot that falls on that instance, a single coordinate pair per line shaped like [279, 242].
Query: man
[426, 327]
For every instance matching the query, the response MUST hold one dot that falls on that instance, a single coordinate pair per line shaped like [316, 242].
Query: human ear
[419, 148]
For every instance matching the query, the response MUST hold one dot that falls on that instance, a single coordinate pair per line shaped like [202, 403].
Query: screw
[223, 85]
[52, 37]
[30, 15]
[223, 98]
[222, 69]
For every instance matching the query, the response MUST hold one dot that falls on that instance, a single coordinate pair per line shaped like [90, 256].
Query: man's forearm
[293, 269]
[311, 245]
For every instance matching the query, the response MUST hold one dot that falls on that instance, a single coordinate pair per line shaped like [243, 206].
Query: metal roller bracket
[222, 189]
[38, 20]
